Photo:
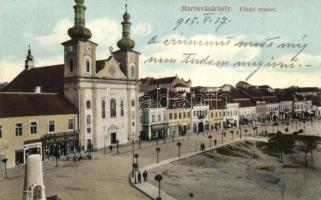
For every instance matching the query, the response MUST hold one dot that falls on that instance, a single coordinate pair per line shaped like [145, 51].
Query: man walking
[145, 176]
[139, 178]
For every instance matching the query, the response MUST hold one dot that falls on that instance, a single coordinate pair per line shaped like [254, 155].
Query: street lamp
[5, 160]
[135, 166]
[157, 154]
[232, 133]
[210, 138]
[133, 142]
[159, 178]
[179, 149]
[136, 157]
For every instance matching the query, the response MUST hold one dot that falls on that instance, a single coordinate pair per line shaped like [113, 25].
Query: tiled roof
[245, 103]
[180, 85]
[254, 92]
[50, 79]
[33, 104]
[217, 104]
[162, 80]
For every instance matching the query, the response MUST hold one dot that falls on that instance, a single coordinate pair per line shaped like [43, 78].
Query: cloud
[142, 28]
[57, 35]
[10, 68]
[106, 32]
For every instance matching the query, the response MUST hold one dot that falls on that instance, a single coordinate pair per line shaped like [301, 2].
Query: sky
[43, 24]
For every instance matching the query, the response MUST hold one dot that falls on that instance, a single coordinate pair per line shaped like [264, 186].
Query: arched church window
[132, 71]
[122, 108]
[113, 108]
[133, 103]
[88, 104]
[71, 65]
[87, 65]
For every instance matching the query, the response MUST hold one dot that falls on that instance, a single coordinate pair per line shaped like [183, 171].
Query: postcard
[163, 99]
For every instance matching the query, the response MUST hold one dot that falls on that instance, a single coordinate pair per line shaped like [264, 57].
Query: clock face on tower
[88, 49]
[70, 49]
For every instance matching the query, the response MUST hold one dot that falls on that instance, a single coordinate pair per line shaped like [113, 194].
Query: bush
[264, 166]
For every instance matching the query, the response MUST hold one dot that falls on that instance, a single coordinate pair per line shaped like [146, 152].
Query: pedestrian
[139, 178]
[111, 148]
[145, 176]
[215, 142]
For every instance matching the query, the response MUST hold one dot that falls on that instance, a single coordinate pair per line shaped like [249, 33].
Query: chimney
[38, 90]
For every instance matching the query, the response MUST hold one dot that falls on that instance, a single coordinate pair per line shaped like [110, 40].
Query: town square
[102, 108]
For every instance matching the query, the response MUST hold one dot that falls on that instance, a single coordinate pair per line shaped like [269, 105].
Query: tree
[308, 143]
[283, 143]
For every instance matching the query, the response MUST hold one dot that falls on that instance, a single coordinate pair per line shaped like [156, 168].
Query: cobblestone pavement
[106, 176]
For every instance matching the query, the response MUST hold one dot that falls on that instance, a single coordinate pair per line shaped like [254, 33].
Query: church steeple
[29, 59]
[126, 43]
[79, 31]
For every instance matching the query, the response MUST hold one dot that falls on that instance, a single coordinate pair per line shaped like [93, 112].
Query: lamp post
[159, 178]
[133, 144]
[5, 160]
[210, 138]
[139, 140]
[232, 133]
[179, 149]
[136, 157]
[157, 154]
[105, 138]
[135, 166]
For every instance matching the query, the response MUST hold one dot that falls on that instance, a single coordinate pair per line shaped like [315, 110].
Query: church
[104, 92]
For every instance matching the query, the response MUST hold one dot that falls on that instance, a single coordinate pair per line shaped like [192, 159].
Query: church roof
[34, 104]
[49, 78]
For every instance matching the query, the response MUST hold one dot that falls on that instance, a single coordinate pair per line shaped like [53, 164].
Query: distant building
[173, 82]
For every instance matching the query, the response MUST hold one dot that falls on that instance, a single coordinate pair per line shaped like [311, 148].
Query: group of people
[139, 177]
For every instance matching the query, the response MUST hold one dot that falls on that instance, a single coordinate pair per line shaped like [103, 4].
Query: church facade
[105, 91]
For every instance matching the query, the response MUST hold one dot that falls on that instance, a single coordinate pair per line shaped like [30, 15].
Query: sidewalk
[152, 191]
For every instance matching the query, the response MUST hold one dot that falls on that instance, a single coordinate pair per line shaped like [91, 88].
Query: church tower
[29, 60]
[80, 53]
[126, 56]
[79, 69]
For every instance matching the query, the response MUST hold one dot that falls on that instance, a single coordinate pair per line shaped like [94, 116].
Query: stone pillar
[34, 188]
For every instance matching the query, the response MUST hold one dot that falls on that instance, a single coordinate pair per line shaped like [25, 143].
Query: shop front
[158, 131]
[60, 144]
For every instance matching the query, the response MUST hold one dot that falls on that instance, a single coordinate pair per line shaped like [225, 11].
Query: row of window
[159, 118]
[112, 105]
[179, 115]
[18, 127]
[87, 65]
[217, 114]
[200, 113]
